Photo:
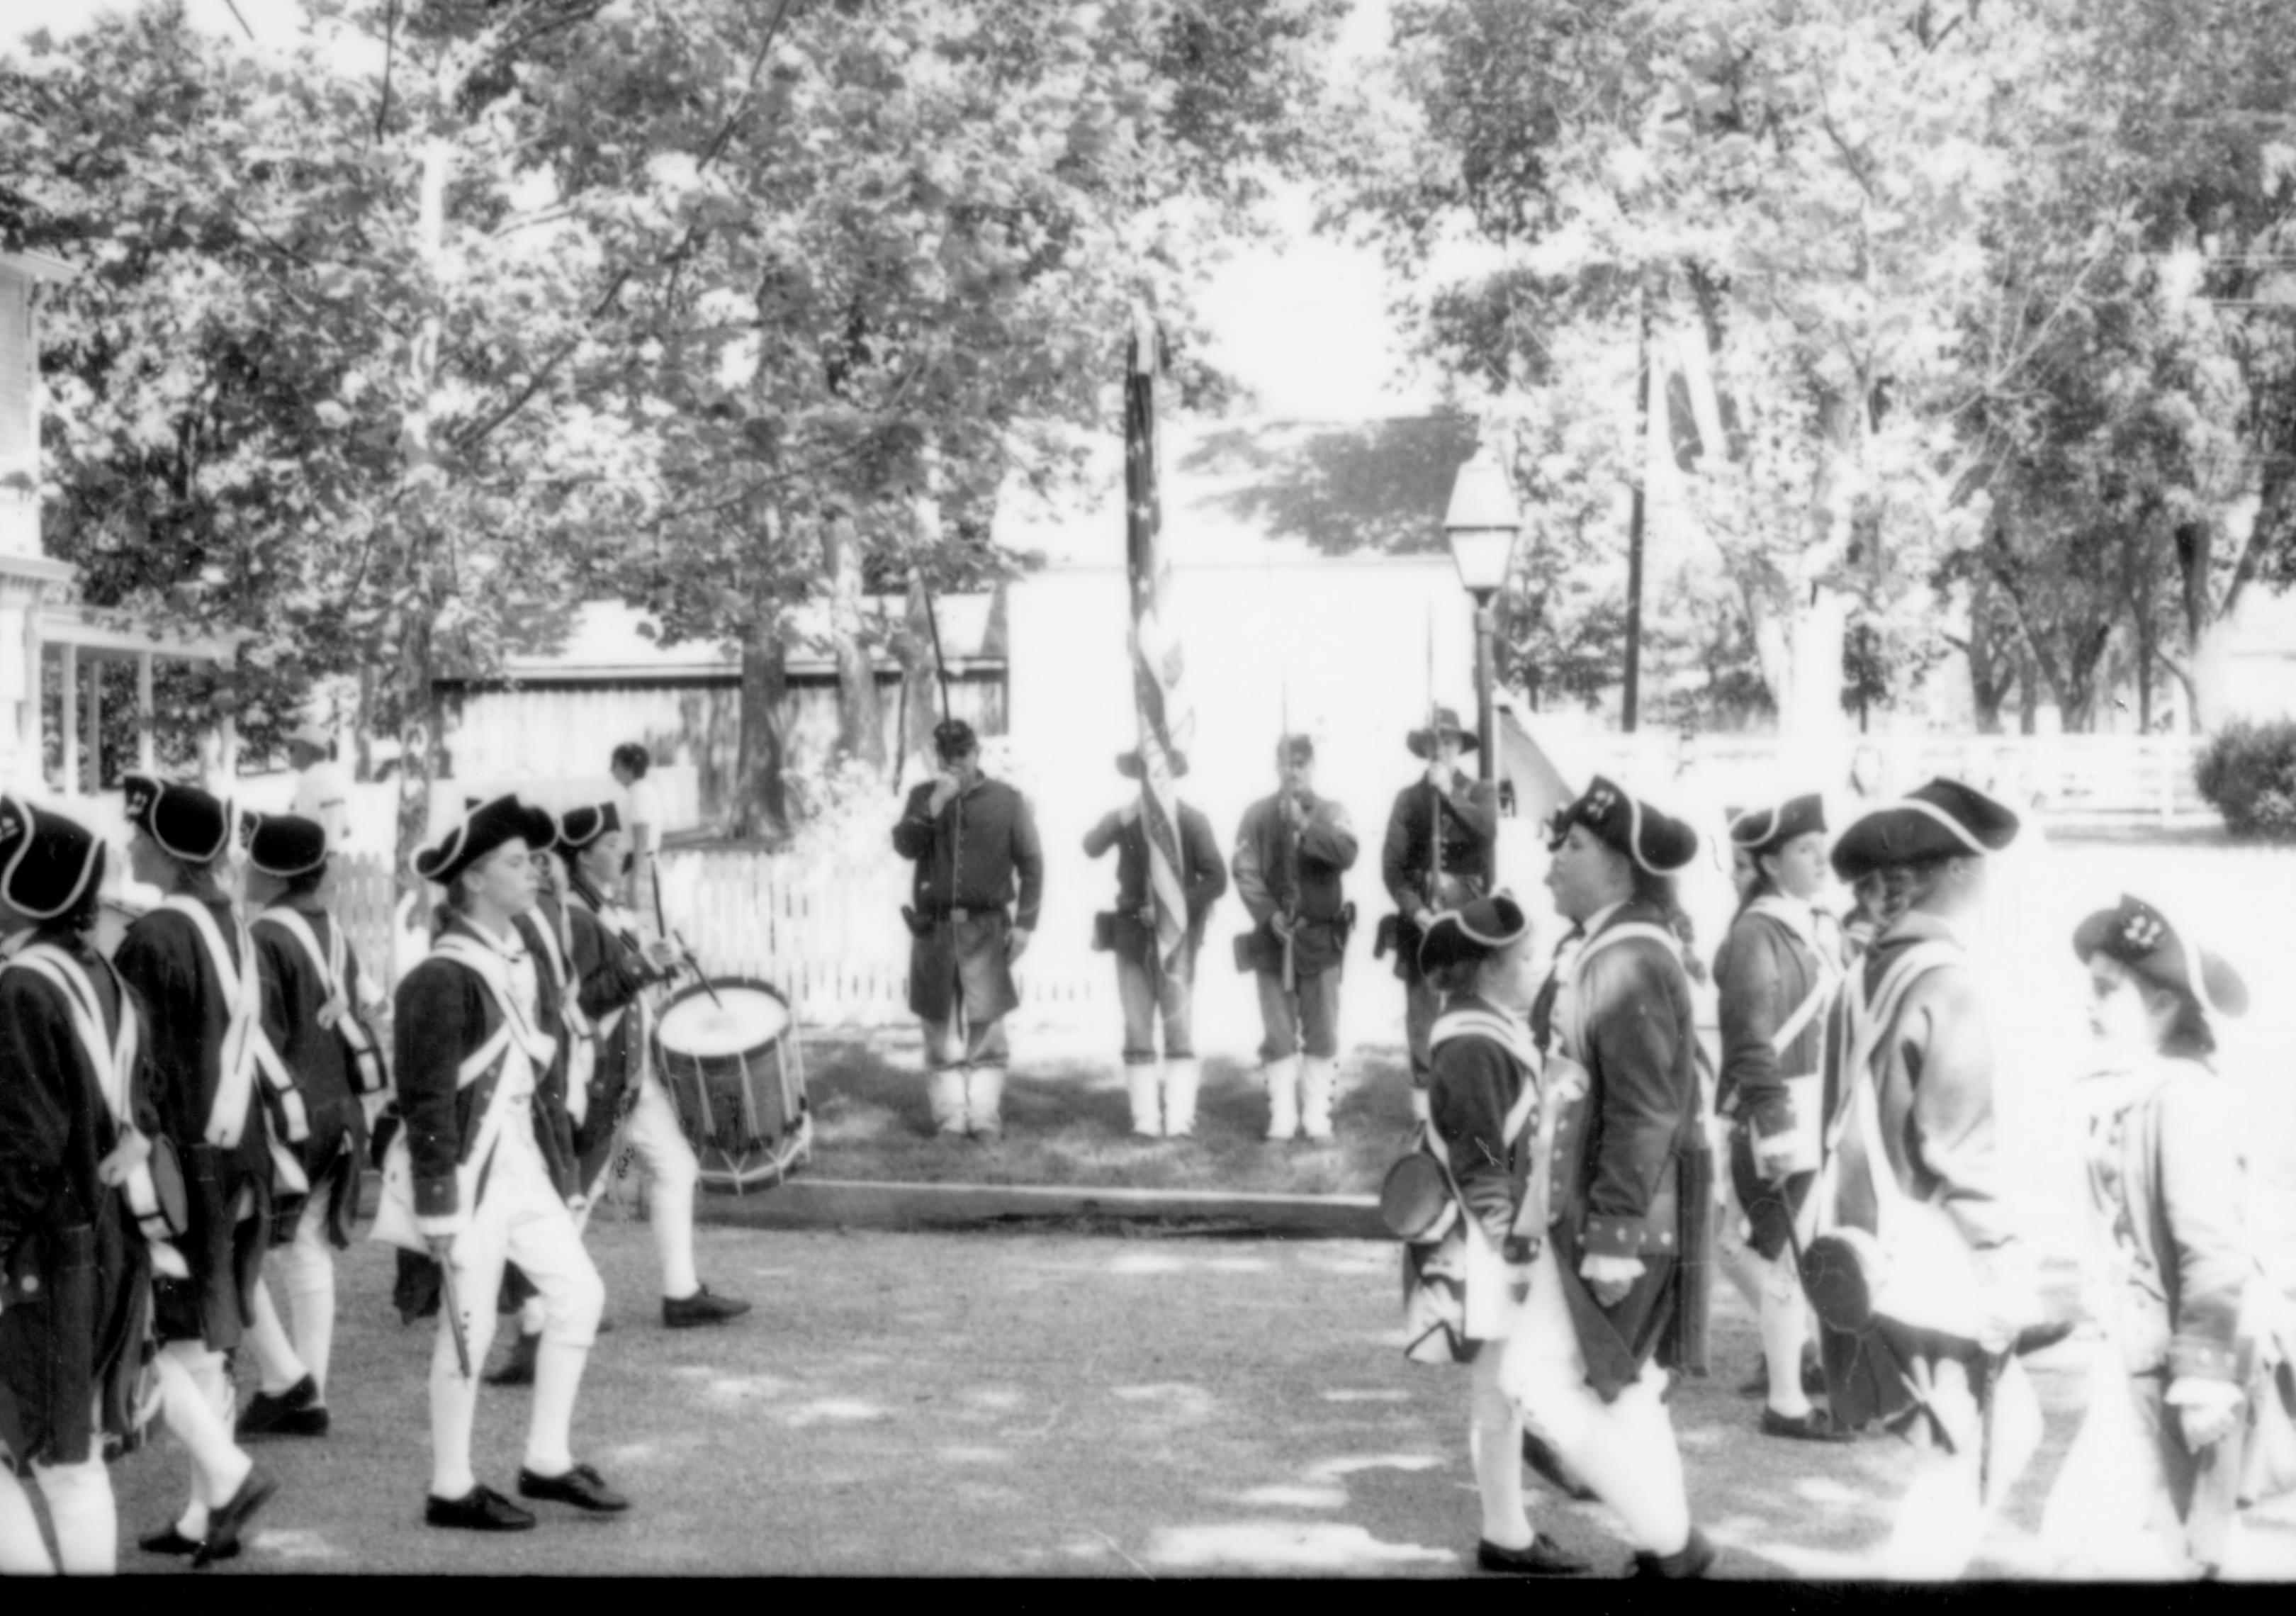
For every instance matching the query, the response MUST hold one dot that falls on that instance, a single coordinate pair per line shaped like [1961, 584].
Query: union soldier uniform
[1427, 870]
[1146, 984]
[968, 856]
[1291, 873]
[76, 1118]
[1627, 1196]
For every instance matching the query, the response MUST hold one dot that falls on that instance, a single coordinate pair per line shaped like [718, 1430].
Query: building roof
[1257, 492]
[612, 642]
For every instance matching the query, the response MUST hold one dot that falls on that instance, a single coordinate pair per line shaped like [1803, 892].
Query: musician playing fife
[969, 837]
[207, 1089]
[1426, 870]
[76, 1118]
[315, 1001]
[616, 964]
[477, 1190]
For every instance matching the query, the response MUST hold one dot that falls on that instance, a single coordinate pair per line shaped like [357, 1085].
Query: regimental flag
[1167, 722]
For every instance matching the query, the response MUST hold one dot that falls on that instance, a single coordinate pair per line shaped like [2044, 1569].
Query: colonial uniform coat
[1778, 954]
[305, 1023]
[164, 960]
[968, 858]
[611, 967]
[555, 985]
[76, 1331]
[1628, 1186]
[1934, 1078]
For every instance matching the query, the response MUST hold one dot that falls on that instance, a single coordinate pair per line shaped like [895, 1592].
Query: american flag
[1167, 722]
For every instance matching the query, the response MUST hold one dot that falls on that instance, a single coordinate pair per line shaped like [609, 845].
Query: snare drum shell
[742, 1111]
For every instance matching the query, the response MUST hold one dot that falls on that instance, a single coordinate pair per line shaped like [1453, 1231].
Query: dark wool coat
[1202, 871]
[1276, 870]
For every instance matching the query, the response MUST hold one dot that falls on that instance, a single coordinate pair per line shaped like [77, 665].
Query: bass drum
[729, 1055]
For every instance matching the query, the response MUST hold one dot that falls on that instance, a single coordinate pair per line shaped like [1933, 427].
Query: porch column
[94, 738]
[147, 741]
[68, 720]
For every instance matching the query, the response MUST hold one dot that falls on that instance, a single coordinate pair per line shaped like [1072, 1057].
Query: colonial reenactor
[1436, 856]
[1290, 852]
[1617, 1292]
[232, 1113]
[616, 964]
[1777, 973]
[1910, 1110]
[315, 1002]
[1483, 1103]
[1146, 984]
[969, 837]
[466, 1181]
[77, 1126]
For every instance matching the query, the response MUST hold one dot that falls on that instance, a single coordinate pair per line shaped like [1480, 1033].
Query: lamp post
[1482, 524]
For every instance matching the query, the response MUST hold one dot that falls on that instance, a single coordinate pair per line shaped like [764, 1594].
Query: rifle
[1435, 809]
[1290, 847]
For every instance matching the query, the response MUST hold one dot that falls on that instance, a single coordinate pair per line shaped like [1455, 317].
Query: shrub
[2248, 773]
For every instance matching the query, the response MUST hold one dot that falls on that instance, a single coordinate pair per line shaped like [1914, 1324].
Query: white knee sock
[189, 1376]
[550, 1430]
[671, 1210]
[1741, 1265]
[23, 1552]
[87, 1520]
[1783, 1332]
[275, 1354]
[1494, 1444]
[454, 1411]
[309, 1277]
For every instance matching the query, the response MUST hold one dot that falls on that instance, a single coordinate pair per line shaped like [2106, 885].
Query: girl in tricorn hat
[1482, 1098]
[2190, 1375]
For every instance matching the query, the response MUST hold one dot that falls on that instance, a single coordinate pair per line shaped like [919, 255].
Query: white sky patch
[1283, 1545]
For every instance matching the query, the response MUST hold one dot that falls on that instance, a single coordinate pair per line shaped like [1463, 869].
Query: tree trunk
[860, 720]
[418, 709]
[2028, 695]
[760, 796]
[920, 704]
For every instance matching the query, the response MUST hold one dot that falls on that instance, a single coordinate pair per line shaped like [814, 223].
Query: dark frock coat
[1762, 975]
[293, 993]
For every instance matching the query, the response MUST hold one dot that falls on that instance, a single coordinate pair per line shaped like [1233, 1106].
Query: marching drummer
[315, 1009]
[969, 837]
[76, 1116]
[627, 1106]
[467, 1182]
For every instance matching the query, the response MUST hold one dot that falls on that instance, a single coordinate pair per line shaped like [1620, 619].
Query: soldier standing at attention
[1429, 867]
[1290, 853]
[1146, 985]
[969, 837]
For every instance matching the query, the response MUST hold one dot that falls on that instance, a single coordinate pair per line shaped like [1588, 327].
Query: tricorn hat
[1765, 830]
[50, 860]
[287, 845]
[188, 823]
[1942, 819]
[1470, 932]
[1127, 764]
[2140, 938]
[582, 827]
[479, 832]
[1422, 740]
[1656, 841]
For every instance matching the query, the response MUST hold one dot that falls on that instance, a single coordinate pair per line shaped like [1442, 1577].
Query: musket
[1435, 810]
[1290, 843]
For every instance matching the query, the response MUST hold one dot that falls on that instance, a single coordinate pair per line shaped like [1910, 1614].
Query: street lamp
[1482, 524]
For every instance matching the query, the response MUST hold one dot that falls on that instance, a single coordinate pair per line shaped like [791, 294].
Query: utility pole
[1632, 696]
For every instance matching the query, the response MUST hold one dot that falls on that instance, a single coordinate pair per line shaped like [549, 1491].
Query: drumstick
[699, 975]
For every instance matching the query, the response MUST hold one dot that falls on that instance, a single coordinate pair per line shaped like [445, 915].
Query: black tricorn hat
[1656, 841]
[50, 860]
[582, 827]
[286, 845]
[1422, 740]
[2140, 938]
[1942, 819]
[479, 833]
[188, 823]
[1471, 931]
[1765, 830]
[1127, 764]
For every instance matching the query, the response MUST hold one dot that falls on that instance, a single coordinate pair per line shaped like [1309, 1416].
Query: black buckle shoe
[295, 1412]
[1541, 1559]
[1694, 1558]
[173, 1542]
[686, 1312]
[482, 1509]
[226, 1520]
[518, 1368]
[582, 1486]
[1816, 1426]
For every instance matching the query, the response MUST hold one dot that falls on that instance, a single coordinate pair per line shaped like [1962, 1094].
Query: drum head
[745, 1017]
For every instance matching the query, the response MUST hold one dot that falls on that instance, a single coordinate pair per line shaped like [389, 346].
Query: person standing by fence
[1146, 986]
[971, 838]
[642, 818]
